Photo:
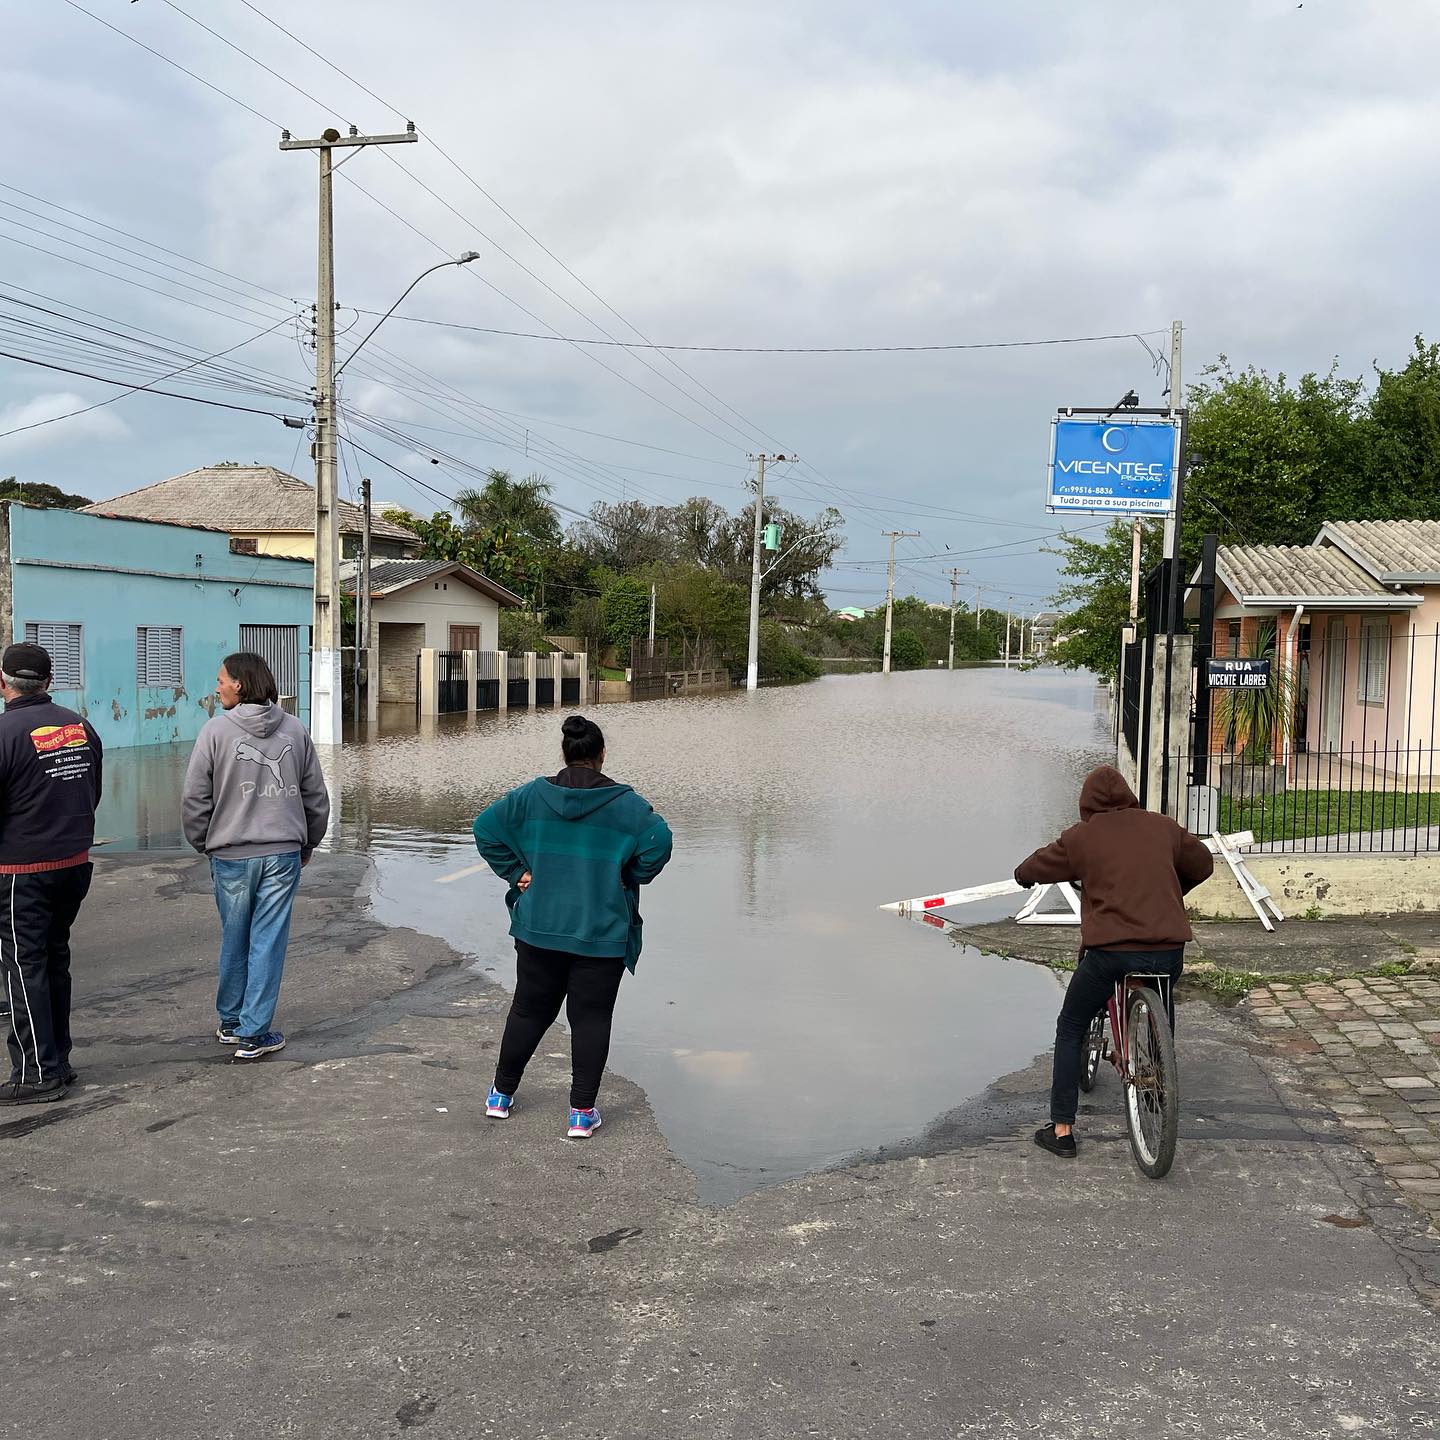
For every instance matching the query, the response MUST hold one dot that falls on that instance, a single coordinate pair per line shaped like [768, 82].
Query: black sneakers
[32, 1092]
[1061, 1145]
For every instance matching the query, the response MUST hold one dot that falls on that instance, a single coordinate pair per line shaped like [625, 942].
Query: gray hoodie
[254, 786]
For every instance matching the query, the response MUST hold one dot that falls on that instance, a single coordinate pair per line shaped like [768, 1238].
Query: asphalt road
[335, 1242]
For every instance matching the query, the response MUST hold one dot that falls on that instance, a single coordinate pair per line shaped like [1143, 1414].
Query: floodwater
[778, 1022]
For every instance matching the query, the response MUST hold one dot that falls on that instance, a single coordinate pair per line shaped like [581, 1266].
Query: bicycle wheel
[1152, 1089]
[1093, 1054]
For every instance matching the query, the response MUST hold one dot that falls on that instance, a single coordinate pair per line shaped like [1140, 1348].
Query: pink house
[1354, 618]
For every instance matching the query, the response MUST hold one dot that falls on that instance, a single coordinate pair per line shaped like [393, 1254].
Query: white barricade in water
[1227, 847]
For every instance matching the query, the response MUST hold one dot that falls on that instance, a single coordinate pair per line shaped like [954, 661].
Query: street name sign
[1113, 466]
[1239, 674]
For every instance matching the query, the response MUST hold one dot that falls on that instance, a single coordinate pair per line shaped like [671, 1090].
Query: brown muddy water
[778, 1022]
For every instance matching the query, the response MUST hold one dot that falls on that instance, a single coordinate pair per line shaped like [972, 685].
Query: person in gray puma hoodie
[255, 803]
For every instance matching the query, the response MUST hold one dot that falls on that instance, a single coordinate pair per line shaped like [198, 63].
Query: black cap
[26, 662]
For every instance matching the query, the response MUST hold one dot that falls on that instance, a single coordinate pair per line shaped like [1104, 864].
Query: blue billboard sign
[1113, 466]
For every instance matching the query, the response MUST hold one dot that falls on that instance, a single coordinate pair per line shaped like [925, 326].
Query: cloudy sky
[836, 173]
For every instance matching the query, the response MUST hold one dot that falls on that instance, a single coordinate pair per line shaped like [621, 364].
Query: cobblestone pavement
[1370, 1047]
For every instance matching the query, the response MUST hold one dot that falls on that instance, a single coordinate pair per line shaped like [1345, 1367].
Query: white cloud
[43, 409]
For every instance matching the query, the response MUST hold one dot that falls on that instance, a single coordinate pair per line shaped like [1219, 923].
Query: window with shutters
[159, 655]
[1374, 661]
[66, 645]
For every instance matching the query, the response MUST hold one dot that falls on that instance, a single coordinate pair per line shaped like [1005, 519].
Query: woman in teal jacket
[575, 850]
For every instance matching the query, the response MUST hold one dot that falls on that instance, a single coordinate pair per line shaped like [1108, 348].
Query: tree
[907, 651]
[625, 611]
[1096, 587]
[696, 606]
[521, 506]
[42, 497]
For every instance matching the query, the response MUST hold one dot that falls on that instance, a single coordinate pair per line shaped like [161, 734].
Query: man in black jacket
[50, 762]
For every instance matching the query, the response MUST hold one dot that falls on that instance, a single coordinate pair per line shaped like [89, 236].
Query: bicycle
[1142, 1050]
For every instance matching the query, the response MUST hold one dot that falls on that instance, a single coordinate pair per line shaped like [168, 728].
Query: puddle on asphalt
[778, 1022]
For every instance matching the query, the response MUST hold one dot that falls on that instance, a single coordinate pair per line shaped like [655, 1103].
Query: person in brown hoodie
[1133, 867]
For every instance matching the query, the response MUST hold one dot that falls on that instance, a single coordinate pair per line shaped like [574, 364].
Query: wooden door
[464, 637]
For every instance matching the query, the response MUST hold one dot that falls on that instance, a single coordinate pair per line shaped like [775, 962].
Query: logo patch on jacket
[58, 737]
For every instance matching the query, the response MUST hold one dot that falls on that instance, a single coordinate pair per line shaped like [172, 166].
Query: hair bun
[575, 726]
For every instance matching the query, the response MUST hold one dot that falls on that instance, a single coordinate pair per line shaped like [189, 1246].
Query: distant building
[1042, 633]
[427, 605]
[137, 617]
[849, 612]
[262, 509]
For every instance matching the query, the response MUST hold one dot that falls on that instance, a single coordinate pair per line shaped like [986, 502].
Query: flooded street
[777, 1022]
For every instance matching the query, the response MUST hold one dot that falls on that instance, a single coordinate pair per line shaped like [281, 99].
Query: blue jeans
[255, 899]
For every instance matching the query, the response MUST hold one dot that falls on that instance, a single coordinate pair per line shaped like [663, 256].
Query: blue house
[137, 616]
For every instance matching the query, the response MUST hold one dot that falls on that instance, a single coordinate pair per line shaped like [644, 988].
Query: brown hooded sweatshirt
[1133, 867]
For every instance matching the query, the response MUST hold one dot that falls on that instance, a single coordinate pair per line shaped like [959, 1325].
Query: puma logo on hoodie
[238, 803]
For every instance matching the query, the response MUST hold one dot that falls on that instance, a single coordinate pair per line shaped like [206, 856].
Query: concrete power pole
[894, 535]
[954, 581]
[979, 591]
[650, 644]
[752, 667]
[1009, 606]
[325, 706]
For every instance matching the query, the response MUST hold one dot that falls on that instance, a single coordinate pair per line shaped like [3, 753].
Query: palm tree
[1254, 718]
[521, 506]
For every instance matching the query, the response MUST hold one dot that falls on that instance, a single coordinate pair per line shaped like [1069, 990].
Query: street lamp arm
[465, 259]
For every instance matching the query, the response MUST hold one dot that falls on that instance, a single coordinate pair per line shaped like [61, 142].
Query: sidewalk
[1371, 1049]
[334, 1242]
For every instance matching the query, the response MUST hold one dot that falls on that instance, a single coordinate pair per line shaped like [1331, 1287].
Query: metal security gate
[487, 680]
[544, 680]
[451, 694]
[517, 682]
[279, 647]
[570, 680]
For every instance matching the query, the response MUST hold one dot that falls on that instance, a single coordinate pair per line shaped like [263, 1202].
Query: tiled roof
[390, 575]
[239, 498]
[1257, 574]
[1399, 551]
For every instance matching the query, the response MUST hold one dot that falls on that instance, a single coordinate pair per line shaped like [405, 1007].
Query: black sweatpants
[544, 980]
[36, 913]
[1091, 987]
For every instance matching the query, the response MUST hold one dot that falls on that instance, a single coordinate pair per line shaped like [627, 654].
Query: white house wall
[439, 604]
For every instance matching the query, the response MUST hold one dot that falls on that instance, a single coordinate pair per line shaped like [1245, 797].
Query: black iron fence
[487, 680]
[1132, 691]
[517, 682]
[1360, 799]
[545, 679]
[450, 696]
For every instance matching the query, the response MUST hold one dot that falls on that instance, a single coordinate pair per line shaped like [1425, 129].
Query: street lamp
[465, 259]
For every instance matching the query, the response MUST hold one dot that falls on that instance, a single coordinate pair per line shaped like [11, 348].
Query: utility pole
[979, 591]
[1177, 401]
[1009, 606]
[890, 589]
[650, 645]
[362, 604]
[752, 667]
[954, 580]
[325, 719]
[1135, 570]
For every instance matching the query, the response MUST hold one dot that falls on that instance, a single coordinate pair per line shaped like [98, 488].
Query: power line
[776, 349]
[125, 385]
